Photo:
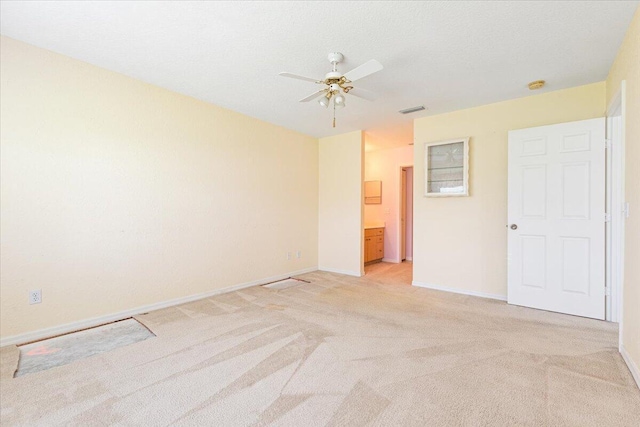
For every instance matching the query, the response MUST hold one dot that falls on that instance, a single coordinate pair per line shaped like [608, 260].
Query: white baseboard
[459, 291]
[409, 259]
[114, 317]
[395, 261]
[346, 272]
[635, 372]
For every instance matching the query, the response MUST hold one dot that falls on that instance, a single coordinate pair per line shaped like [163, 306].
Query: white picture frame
[446, 168]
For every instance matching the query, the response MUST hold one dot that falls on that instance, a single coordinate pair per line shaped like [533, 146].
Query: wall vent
[412, 110]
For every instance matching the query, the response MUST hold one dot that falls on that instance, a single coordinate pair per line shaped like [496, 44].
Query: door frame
[615, 202]
[401, 239]
[402, 248]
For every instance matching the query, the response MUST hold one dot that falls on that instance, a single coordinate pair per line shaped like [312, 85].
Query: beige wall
[118, 194]
[340, 241]
[627, 67]
[384, 165]
[461, 242]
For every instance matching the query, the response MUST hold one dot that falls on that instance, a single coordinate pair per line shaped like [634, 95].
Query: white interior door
[556, 230]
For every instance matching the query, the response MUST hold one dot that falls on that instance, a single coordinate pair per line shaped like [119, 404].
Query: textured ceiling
[445, 55]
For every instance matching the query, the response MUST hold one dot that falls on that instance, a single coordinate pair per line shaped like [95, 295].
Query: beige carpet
[342, 351]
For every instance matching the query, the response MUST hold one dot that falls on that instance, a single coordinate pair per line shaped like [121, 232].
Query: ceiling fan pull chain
[334, 114]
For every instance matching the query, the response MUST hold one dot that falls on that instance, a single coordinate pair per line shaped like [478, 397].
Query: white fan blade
[363, 70]
[295, 76]
[313, 95]
[363, 93]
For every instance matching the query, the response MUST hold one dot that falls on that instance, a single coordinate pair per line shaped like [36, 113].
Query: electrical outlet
[298, 254]
[35, 296]
[288, 255]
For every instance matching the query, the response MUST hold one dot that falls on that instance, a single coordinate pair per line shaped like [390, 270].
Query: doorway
[405, 231]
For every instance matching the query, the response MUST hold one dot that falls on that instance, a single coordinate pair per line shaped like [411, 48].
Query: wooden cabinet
[373, 244]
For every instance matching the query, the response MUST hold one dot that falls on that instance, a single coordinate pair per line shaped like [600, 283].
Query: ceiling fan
[337, 84]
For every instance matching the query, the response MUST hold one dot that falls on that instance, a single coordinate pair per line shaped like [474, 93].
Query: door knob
[514, 227]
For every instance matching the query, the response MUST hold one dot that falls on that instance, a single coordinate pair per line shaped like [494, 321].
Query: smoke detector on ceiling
[536, 85]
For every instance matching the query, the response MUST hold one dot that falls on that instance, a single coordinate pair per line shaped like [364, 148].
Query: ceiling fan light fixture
[339, 101]
[324, 101]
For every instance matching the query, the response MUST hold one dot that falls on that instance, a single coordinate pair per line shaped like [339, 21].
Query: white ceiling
[445, 55]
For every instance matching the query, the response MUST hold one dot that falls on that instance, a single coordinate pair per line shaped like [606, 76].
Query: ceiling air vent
[412, 110]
